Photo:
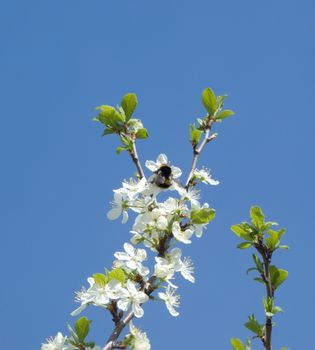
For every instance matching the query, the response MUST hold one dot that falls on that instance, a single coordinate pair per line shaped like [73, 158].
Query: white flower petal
[129, 249]
[114, 213]
[162, 159]
[122, 256]
[125, 217]
[151, 165]
[137, 310]
[123, 304]
[176, 172]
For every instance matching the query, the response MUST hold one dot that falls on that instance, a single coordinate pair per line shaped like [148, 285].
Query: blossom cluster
[158, 225]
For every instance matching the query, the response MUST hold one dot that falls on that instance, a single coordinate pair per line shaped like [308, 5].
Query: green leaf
[129, 104]
[257, 216]
[251, 269]
[195, 134]
[100, 279]
[278, 276]
[254, 326]
[73, 334]
[117, 274]
[273, 240]
[247, 346]
[237, 344]
[142, 133]
[258, 263]
[110, 117]
[258, 279]
[202, 216]
[209, 101]
[220, 101]
[242, 231]
[108, 131]
[82, 328]
[244, 245]
[224, 114]
[126, 141]
[284, 247]
[120, 149]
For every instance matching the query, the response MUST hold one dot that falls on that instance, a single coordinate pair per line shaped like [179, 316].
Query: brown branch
[265, 275]
[134, 155]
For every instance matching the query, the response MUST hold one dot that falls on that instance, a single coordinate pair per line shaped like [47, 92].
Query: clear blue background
[60, 59]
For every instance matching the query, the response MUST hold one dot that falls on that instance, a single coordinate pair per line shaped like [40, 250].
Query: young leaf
[100, 279]
[258, 263]
[142, 133]
[273, 240]
[278, 276]
[241, 231]
[120, 149]
[224, 114]
[129, 104]
[254, 326]
[110, 117]
[195, 134]
[202, 216]
[257, 216]
[82, 328]
[244, 245]
[237, 344]
[209, 101]
[117, 274]
[247, 346]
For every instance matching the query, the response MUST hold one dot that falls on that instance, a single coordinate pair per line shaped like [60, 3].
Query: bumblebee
[163, 176]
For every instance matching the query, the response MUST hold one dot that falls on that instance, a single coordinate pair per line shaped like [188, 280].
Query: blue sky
[60, 59]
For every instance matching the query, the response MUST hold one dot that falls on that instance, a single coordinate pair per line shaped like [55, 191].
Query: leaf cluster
[119, 121]
[79, 334]
[215, 113]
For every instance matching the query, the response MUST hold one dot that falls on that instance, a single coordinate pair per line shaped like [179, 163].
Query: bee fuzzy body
[163, 176]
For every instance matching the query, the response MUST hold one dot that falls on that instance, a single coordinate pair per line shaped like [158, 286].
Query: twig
[197, 150]
[266, 256]
[134, 155]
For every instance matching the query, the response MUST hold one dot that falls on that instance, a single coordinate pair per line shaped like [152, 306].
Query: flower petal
[162, 159]
[151, 165]
[114, 213]
[176, 172]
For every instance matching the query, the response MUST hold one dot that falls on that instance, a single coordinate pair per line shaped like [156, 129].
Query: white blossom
[182, 236]
[187, 270]
[133, 258]
[162, 160]
[192, 195]
[204, 176]
[132, 297]
[120, 204]
[98, 295]
[134, 187]
[171, 300]
[56, 343]
[139, 340]
[166, 267]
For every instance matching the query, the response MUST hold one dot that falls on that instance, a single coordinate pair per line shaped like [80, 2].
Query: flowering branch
[126, 287]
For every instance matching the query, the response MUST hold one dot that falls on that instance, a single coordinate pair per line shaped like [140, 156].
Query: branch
[134, 155]
[112, 340]
[266, 256]
[270, 294]
[197, 150]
